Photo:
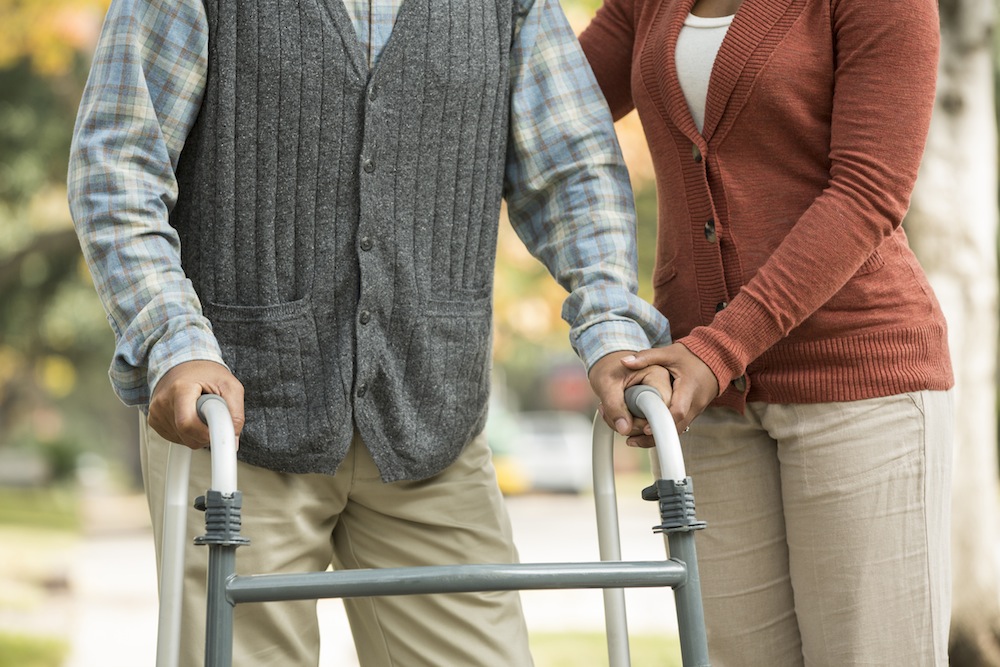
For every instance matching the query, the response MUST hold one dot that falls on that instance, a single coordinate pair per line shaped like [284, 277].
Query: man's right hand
[173, 406]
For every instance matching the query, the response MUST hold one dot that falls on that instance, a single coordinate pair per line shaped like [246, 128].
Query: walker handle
[214, 411]
[645, 402]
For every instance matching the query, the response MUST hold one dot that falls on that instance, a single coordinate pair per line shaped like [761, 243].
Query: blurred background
[76, 558]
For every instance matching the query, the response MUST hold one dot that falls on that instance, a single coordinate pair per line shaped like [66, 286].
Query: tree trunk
[953, 229]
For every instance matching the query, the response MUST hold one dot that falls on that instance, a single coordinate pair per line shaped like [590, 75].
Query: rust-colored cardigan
[781, 262]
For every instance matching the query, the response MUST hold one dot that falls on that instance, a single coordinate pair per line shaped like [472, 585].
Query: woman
[786, 137]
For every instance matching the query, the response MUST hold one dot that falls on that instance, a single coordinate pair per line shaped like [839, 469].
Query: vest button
[369, 165]
[740, 384]
[710, 231]
[372, 93]
[366, 243]
[365, 317]
[362, 390]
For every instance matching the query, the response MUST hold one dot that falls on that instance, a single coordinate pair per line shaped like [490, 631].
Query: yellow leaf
[57, 375]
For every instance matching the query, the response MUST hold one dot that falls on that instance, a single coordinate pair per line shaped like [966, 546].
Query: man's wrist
[604, 338]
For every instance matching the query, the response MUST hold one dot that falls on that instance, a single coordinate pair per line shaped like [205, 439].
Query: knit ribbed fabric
[781, 262]
[339, 226]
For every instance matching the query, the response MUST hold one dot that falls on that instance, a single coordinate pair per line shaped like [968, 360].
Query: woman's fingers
[687, 384]
[646, 358]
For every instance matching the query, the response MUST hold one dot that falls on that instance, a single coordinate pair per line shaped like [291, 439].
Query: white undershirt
[697, 46]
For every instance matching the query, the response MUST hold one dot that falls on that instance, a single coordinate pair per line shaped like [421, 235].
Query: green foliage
[25, 651]
[589, 649]
[55, 342]
[645, 208]
[589, 6]
[36, 126]
[61, 455]
[52, 508]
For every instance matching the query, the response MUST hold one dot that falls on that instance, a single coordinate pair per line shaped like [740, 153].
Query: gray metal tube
[215, 413]
[219, 625]
[687, 599]
[646, 402]
[175, 507]
[452, 579]
[609, 540]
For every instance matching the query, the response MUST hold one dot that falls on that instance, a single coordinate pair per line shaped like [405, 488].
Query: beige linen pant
[828, 531]
[301, 523]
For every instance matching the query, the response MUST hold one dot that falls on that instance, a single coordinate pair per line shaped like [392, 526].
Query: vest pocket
[474, 302]
[455, 372]
[274, 351]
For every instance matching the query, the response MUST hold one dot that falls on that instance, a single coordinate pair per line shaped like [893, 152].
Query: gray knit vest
[339, 225]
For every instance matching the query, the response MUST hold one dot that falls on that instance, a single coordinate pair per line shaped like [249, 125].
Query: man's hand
[694, 383]
[173, 410]
[609, 378]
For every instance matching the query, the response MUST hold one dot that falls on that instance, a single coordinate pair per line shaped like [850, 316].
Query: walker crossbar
[452, 579]
[226, 589]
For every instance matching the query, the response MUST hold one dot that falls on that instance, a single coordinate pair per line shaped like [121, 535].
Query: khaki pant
[302, 523]
[828, 531]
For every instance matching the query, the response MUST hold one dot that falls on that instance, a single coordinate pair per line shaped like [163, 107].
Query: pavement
[107, 605]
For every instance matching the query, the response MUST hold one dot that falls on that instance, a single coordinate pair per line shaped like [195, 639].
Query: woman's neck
[715, 8]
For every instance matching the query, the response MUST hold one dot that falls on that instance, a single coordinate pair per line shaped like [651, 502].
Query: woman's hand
[609, 378]
[694, 383]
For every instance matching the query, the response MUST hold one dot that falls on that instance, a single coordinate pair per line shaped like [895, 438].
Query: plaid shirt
[567, 189]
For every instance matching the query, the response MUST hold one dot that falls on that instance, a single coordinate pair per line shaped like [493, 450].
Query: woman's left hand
[694, 383]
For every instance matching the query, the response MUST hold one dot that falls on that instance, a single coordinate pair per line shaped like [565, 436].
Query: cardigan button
[366, 243]
[695, 153]
[740, 384]
[721, 306]
[710, 231]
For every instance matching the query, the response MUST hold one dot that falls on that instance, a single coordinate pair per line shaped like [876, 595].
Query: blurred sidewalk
[113, 582]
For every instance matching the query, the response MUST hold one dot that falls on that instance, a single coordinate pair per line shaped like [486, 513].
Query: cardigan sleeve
[885, 72]
[608, 43]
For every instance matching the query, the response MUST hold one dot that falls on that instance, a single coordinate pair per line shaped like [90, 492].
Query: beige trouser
[302, 523]
[828, 531]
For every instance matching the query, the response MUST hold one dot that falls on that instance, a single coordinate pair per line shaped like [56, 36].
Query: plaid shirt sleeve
[141, 99]
[568, 192]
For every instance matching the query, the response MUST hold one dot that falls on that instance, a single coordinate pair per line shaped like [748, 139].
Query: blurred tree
[530, 338]
[54, 339]
[953, 229]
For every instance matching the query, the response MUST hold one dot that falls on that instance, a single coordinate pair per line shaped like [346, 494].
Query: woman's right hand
[694, 383]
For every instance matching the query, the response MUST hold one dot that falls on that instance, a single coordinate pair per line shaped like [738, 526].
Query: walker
[226, 589]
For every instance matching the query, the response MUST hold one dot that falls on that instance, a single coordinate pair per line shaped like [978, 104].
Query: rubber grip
[632, 396]
[205, 398]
